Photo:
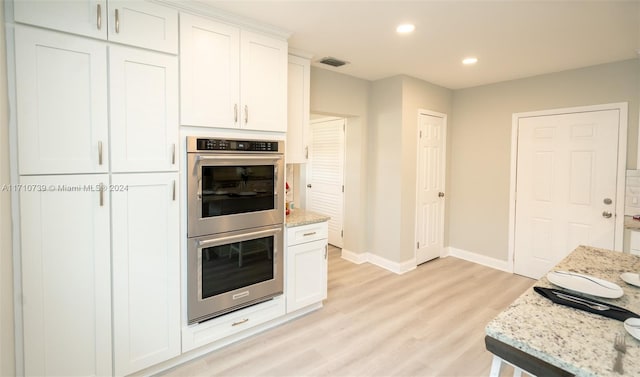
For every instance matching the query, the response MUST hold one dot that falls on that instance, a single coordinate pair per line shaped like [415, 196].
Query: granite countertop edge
[299, 217]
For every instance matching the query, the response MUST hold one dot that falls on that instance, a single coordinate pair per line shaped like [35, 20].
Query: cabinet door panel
[298, 109]
[263, 86]
[144, 110]
[66, 276]
[61, 103]
[84, 17]
[209, 73]
[144, 24]
[306, 274]
[146, 266]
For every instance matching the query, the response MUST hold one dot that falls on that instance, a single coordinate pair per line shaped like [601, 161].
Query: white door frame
[622, 166]
[444, 181]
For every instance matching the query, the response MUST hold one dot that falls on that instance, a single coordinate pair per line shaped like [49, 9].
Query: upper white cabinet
[66, 275]
[144, 110]
[61, 103]
[231, 78]
[209, 72]
[146, 270]
[298, 94]
[136, 23]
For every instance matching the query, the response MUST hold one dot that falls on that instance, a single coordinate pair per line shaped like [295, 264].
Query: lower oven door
[228, 271]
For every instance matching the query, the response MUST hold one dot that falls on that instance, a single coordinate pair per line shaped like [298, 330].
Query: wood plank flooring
[428, 322]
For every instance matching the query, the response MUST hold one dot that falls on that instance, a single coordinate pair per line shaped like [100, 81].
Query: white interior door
[325, 190]
[430, 191]
[566, 187]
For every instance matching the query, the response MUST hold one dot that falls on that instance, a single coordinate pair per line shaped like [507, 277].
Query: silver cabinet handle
[99, 153]
[235, 113]
[308, 234]
[306, 153]
[173, 155]
[240, 322]
[101, 189]
[326, 251]
[99, 20]
[174, 190]
[246, 114]
[117, 21]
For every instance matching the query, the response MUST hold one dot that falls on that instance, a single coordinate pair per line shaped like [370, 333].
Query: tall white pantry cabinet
[97, 127]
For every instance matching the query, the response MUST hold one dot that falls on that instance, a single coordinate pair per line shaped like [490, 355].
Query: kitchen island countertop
[299, 217]
[576, 341]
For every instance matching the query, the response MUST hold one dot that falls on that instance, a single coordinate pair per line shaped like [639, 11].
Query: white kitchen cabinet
[634, 243]
[144, 110]
[298, 93]
[146, 270]
[136, 23]
[61, 88]
[306, 269]
[263, 82]
[231, 78]
[209, 72]
[66, 268]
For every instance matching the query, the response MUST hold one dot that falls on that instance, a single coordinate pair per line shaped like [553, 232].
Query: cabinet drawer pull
[246, 114]
[99, 20]
[308, 234]
[99, 153]
[240, 322]
[101, 189]
[117, 21]
[173, 155]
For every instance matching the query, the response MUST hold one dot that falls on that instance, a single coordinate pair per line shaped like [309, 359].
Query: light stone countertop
[574, 340]
[298, 217]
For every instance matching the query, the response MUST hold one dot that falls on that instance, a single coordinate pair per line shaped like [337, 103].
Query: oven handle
[242, 236]
[227, 157]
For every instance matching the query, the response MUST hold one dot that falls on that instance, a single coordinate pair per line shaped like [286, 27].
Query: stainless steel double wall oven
[235, 224]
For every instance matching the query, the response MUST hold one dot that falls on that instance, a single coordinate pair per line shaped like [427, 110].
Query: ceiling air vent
[332, 61]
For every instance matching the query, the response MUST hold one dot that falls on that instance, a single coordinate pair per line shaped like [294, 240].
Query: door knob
[441, 194]
[606, 214]
[309, 185]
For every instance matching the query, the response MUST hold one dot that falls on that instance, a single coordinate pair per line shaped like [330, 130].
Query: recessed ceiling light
[405, 28]
[470, 60]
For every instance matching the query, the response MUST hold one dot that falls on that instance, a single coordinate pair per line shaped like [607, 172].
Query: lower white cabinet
[306, 269]
[634, 244]
[66, 268]
[146, 270]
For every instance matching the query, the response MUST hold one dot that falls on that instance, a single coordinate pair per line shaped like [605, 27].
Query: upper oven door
[229, 192]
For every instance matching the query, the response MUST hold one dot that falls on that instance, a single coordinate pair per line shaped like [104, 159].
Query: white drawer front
[230, 324]
[307, 233]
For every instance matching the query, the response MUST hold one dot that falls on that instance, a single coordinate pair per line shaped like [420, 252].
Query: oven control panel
[205, 144]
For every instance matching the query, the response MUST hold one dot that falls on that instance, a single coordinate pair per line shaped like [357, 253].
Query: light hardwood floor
[427, 322]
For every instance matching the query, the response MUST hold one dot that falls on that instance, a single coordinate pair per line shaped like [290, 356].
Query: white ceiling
[512, 39]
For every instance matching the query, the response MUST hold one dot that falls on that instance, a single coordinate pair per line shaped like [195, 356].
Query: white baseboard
[395, 267]
[484, 260]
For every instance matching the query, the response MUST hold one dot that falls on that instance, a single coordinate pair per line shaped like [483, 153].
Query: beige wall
[7, 363]
[384, 167]
[345, 96]
[480, 133]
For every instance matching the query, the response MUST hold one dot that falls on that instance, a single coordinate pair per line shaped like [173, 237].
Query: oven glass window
[236, 265]
[227, 190]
